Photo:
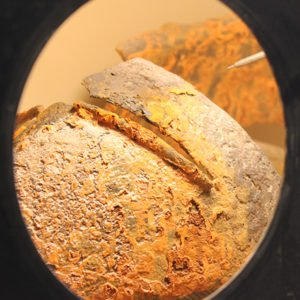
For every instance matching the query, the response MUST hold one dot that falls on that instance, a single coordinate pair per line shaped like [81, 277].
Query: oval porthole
[145, 188]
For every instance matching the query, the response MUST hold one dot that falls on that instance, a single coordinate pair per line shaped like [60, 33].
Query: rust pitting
[114, 220]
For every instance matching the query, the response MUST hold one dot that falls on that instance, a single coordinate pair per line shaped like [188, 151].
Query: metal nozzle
[248, 60]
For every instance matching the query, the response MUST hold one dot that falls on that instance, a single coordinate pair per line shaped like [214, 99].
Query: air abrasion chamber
[143, 188]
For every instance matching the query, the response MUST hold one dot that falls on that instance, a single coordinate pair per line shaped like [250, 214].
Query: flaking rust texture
[200, 53]
[115, 213]
[110, 218]
[149, 139]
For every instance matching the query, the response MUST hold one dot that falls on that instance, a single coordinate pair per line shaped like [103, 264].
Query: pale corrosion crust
[148, 139]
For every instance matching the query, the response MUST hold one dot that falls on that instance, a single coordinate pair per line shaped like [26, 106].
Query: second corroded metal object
[201, 52]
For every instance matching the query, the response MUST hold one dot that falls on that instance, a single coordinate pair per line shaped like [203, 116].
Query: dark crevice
[102, 103]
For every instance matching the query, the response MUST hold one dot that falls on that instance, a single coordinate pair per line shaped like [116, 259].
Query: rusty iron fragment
[110, 205]
[200, 53]
[214, 140]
